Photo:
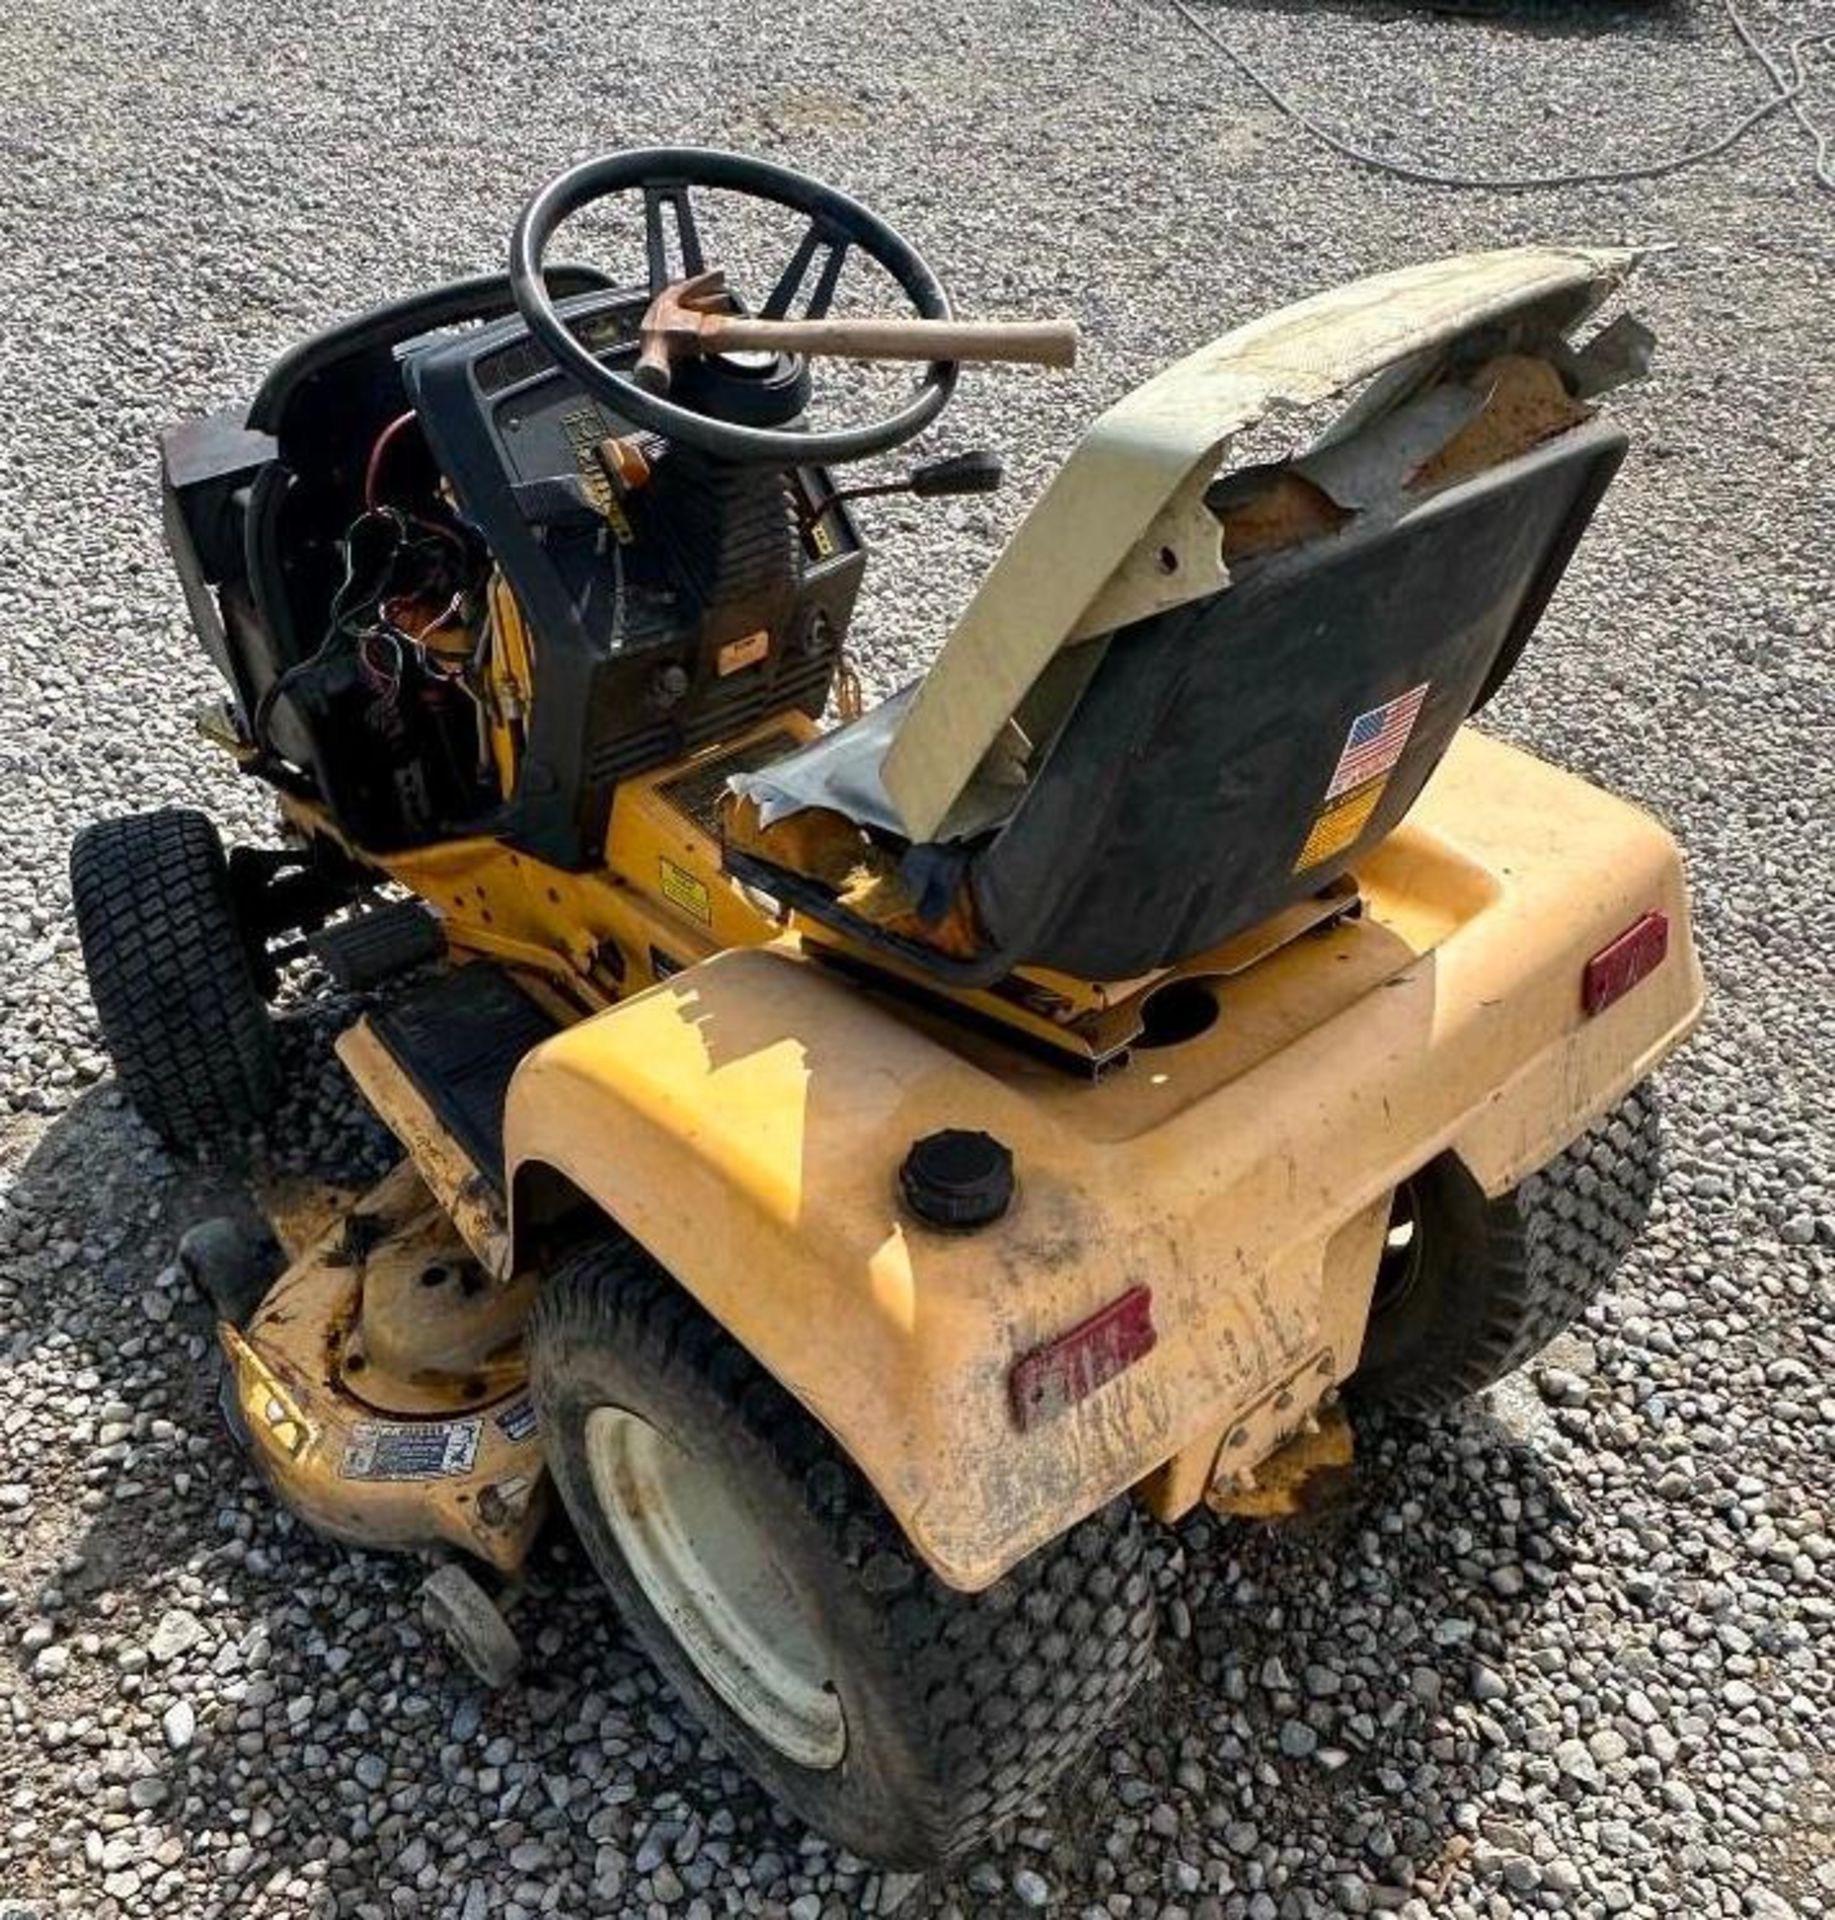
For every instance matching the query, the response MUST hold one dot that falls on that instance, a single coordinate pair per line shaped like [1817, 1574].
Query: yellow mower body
[866, 1174]
[745, 1118]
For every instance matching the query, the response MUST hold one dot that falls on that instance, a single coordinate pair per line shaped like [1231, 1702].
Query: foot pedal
[373, 947]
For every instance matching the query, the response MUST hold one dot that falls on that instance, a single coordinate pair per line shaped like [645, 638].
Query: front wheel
[171, 976]
[762, 1575]
[1470, 1288]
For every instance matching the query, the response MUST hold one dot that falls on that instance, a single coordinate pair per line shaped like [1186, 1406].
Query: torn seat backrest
[1123, 530]
[1231, 757]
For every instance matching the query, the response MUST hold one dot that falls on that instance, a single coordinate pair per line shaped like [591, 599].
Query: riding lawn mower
[874, 1175]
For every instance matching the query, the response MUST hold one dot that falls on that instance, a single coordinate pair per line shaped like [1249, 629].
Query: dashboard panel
[663, 616]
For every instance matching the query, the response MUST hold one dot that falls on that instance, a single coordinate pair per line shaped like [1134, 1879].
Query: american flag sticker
[1371, 749]
[1375, 741]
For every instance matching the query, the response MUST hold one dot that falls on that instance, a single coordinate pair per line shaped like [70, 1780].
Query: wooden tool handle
[655, 368]
[1038, 343]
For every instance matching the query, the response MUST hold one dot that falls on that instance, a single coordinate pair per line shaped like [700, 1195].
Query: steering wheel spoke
[673, 195]
[818, 238]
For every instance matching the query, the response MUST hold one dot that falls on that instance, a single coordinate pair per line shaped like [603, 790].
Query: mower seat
[1205, 759]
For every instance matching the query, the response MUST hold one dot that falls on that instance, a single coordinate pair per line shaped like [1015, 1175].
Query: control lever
[976, 471]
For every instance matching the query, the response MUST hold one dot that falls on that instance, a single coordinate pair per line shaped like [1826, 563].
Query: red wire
[373, 470]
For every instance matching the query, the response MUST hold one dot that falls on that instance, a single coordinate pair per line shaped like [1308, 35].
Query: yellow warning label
[1338, 823]
[682, 889]
[745, 652]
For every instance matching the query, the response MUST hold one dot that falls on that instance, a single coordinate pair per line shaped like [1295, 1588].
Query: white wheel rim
[706, 1566]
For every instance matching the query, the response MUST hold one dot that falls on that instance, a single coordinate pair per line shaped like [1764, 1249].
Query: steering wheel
[666, 177]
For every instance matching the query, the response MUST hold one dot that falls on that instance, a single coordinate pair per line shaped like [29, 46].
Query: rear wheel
[763, 1576]
[1470, 1288]
[171, 978]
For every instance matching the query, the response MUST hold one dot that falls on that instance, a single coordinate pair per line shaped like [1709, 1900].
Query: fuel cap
[957, 1178]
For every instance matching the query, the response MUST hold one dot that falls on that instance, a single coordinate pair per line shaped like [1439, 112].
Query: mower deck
[382, 1386]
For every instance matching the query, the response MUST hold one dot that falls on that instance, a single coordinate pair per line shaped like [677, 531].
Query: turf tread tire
[1516, 1271]
[964, 1717]
[186, 1025]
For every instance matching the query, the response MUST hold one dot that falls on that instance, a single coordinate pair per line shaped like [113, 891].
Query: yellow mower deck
[1186, 1271]
[382, 1388]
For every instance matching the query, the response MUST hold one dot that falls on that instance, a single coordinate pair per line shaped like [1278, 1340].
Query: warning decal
[745, 652]
[260, 1394]
[425, 1450]
[1374, 743]
[1338, 824]
[682, 889]
[286, 1423]
[517, 1421]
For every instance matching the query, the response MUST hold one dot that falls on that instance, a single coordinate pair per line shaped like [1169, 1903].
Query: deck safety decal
[425, 1450]
[292, 1432]
[517, 1421]
[1375, 742]
[682, 889]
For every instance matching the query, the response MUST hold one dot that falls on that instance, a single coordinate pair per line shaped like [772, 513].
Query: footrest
[436, 1067]
[374, 947]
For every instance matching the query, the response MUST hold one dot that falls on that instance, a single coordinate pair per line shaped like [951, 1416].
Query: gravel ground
[1566, 1654]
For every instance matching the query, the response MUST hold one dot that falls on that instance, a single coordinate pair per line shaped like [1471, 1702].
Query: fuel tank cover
[957, 1178]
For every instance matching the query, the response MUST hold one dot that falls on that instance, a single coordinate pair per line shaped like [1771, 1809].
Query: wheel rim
[706, 1566]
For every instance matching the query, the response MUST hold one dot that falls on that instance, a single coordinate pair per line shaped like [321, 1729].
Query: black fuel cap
[957, 1178]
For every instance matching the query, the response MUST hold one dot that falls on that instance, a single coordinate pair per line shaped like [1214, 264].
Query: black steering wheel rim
[663, 174]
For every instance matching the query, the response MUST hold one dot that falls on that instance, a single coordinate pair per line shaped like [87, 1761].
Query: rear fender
[745, 1123]
[746, 1120]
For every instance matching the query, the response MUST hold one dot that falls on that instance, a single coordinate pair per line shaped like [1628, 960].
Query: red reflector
[1613, 971]
[1071, 1367]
